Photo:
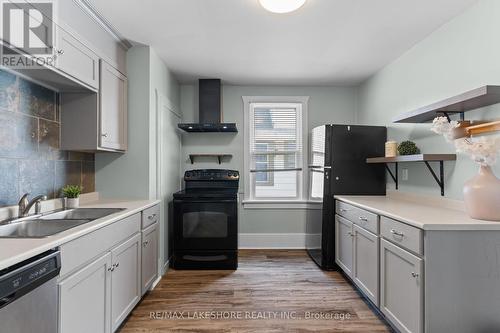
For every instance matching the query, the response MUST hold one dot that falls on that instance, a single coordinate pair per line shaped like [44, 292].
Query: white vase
[72, 203]
[482, 195]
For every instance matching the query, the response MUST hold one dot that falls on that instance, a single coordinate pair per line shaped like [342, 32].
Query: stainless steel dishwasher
[28, 295]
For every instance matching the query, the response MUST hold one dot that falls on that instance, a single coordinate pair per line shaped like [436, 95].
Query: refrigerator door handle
[327, 167]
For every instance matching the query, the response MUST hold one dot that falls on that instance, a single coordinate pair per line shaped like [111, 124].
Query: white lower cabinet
[343, 244]
[85, 299]
[365, 264]
[401, 287]
[149, 256]
[125, 279]
[98, 297]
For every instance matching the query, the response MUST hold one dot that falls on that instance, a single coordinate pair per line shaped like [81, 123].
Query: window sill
[281, 204]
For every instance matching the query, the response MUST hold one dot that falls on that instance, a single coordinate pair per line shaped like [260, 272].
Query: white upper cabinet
[113, 108]
[76, 59]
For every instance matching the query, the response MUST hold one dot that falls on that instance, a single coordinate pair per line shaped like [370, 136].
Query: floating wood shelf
[467, 101]
[426, 158]
[484, 128]
[219, 157]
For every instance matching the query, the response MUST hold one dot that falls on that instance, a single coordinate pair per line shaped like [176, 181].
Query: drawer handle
[415, 275]
[150, 217]
[112, 268]
[350, 234]
[61, 52]
[361, 218]
[104, 135]
[397, 233]
[343, 210]
[116, 265]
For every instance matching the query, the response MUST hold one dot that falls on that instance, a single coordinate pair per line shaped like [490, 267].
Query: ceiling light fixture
[282, 6]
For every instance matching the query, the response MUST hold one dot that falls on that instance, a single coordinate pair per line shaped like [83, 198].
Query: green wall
[462, 55]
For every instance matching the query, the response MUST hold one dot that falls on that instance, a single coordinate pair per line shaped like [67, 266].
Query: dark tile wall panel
[30, 139]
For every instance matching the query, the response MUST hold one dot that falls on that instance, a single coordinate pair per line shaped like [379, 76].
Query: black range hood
[210, 110]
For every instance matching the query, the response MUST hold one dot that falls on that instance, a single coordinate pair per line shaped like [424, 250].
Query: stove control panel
[211, 174]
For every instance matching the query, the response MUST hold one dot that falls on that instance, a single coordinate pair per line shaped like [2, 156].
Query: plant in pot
[482, 192]
[408, 148]
[72, 195]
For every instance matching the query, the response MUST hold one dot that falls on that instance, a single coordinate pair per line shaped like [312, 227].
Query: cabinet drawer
[402, 234]
[150, 216]
[81, 250]
[361, 217]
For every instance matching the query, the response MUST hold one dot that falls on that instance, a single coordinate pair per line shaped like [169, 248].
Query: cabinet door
[366, 262]
[76, 59]
[343, 244]
[113, 108]
[85, 299]
[149, 256]
[401, 275]
[125, 279]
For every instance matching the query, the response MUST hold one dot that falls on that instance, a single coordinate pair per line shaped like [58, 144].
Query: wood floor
[272, 291]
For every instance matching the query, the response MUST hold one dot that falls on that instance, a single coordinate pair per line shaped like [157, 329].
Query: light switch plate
[404, 174]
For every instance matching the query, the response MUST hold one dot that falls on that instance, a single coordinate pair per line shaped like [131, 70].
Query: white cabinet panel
[366, 262]
[77, 60]
[85, 299]
[149, 256]
[343, 244]
[126, 279]
[401, 298]
[113, 108]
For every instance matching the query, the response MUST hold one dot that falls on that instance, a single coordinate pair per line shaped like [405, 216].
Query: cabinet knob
[150, 217]
[361, 218]
[145, 243]
[414, 274]
[105, 135]
[61, 52]
[397, 233]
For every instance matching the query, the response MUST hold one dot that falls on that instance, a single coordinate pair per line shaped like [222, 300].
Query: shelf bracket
[439, 180]
[394, 175]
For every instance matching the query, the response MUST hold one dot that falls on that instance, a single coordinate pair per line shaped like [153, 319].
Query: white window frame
[302, 200]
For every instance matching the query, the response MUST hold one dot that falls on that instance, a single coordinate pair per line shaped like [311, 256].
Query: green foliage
[72, 191]
[408, 148]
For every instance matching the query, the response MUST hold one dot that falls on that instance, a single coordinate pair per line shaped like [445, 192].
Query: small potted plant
[72, 195]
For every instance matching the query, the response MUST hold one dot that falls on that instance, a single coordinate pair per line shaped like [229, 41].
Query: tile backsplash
[30, 156]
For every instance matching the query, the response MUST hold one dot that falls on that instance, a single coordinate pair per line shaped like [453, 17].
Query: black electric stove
[205, 221]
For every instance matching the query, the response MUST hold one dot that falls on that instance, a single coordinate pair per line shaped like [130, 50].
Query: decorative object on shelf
[72, 195]
[391, 149]
[408, 148]
[482, 192]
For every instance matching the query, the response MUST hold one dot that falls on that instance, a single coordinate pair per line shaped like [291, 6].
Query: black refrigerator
[337, 165]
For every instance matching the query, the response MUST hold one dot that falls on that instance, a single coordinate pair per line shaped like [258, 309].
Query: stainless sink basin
[53, 223]
[37, 228]
[81, 213]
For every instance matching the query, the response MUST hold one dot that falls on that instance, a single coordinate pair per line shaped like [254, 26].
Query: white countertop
[428, 213]
[15, 250]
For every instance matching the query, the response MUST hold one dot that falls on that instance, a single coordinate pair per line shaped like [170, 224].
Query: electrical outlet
[404, 174]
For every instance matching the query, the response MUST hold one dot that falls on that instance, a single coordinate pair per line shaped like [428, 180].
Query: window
[274, 149]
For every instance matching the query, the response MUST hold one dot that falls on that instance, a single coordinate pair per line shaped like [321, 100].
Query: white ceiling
[326, 42]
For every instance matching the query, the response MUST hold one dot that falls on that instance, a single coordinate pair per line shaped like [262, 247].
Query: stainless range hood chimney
[210, 111]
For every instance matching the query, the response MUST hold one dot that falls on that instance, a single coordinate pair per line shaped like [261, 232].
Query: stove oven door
[205, 224]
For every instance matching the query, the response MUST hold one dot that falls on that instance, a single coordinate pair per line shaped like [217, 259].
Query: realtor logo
[27, 33]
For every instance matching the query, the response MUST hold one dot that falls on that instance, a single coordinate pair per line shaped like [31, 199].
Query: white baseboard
[272, 241]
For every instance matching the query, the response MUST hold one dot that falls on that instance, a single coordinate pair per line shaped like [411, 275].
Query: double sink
[40, 226]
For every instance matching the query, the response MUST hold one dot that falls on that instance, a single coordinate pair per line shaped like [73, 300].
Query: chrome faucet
[25, 205]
